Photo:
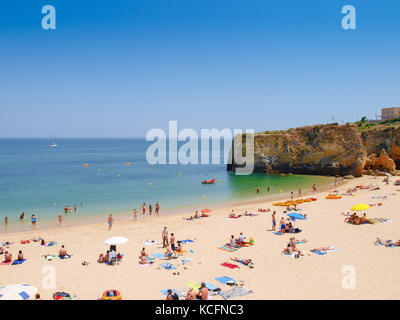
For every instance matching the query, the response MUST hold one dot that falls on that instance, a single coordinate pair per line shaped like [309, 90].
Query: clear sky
[120, 68]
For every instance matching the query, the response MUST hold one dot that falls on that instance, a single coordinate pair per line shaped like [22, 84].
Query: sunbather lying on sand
[388, 243]
[322, 249]
[242, 260]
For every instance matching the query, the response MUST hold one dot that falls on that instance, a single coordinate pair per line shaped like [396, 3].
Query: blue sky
[120, 68]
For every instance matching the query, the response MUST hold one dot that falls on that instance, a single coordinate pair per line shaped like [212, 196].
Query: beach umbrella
[17, 292]
[116, 241]
[360, 206]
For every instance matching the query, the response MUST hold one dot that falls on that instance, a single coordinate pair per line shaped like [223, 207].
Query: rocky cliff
[330, 149]
[387, 139]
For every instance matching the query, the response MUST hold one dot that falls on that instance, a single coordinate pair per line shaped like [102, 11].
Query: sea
[103, 176]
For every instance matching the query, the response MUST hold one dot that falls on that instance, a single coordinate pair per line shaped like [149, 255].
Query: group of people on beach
[150, 210]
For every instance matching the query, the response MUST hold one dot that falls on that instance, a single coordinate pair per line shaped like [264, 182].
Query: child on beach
[134, 214]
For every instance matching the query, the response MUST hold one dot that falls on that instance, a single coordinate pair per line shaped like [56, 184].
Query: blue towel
[225, 279]
[191, 251]
[18, 262]
[158, 255]
[320, 252]
[295, 215]
[186, 241]
[278, 233]
[167, 266]
[391, 246]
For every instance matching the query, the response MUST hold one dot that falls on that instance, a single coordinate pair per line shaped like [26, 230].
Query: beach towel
[292, 255]
[5, 263]
[18, 261]
[167, 266]
[295, 215]
[67, 256]
[225, 279]
[158, 255]
[144, 265]
[278, 233]
[187, 260]
[331, 249]
[150, 242]
[385, 245]
[229, 265]
[228, 248]
[236, 292]
[185, 241]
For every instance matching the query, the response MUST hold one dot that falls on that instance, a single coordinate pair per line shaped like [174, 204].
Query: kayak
[208, 181]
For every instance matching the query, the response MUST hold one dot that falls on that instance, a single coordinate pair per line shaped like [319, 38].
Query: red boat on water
[208, 181]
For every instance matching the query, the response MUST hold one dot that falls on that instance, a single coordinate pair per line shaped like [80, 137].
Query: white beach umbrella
[116, 241]
[17, 292]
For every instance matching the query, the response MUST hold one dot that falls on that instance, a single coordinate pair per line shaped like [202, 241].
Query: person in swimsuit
[165, 237]
[203, 292]
[144, 208]
[20, 255]
[21, 217]
[134, 214]
[110, 221]
[59, 219]
[232, 242]
[283, 225]
[273, 221]
[150, 209]
[7, 256]
[172, 242]
[157, 208]
[191, 295]
[6, 221]
[33, 220]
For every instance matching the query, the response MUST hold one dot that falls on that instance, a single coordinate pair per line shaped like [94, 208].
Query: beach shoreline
[124, 216]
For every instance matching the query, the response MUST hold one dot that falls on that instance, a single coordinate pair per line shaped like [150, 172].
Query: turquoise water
[35, 178]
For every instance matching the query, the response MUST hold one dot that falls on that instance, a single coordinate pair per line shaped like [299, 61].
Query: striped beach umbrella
[17, 292]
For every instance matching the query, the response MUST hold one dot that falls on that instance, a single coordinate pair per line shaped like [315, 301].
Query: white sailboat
[54, 144]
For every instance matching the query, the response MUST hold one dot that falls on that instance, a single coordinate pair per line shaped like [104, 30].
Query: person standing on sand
[314, 187]
[150, 209]
[59, 219]
[258, 189]
[66, 209]
[33, 221]
[134, 214]
[172, 242]
[268, 189]
[299, 192]
[157, 208]
[110, 221]
[165, 237]
[144, 208]
[291, 195]
[273, 221]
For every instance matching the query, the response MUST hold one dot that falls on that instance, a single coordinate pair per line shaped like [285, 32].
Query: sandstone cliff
[330, 149]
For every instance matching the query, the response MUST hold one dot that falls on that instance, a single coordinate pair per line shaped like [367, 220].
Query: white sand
[274, 277]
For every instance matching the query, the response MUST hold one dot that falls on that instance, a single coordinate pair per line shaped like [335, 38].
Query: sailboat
[54, 144]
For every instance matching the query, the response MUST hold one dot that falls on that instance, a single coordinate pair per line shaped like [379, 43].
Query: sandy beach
[275, 276]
